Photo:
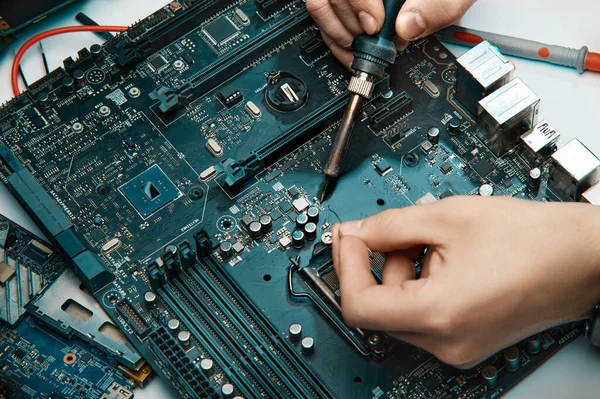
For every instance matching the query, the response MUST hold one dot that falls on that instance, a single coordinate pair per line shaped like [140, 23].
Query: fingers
[399, 229]
[330, 23]
[398, 268]
[343, 55]
[345, 13]
[420, 18]
[368, 305]
[370, 13]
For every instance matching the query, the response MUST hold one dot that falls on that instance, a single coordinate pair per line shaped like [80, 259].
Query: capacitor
[486, 190]
[266, 221]
[255, 229]
[313, 214]
[184, 338]
[298, 239]
[535, 176]
[68, 84]
[79, 77]
[454, 127]
[295, 332]
[534, 344]
[98, 220]
[308, 345]
[150, 300]
[225, 248]
[301, 221]
[310, 231]
[489, 376]
[227, 390]
[433, 135]
[173, 326]
[207, 367]
[96, 51]
[512, 358]
[43, 99]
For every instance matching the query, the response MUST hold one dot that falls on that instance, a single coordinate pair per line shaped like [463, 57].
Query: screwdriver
[372, 55]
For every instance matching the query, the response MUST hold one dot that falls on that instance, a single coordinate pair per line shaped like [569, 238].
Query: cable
[53, 32]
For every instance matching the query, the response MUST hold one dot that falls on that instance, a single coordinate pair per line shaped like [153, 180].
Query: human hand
[342, 20]
[497, 271]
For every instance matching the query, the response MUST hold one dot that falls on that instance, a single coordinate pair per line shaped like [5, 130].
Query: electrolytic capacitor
[298, 239]
[225, 248]
[79, 78]
[535, 176]
[43, 99]
[313, 214]
[227, 390]
[68, 84]
[454, 127]
[489, 376]
[266, 221]
[308, 345]
[207, 367]
[173, 326]
[534, 344]
[310, 231]
[301, 221]
[295, 331]
[255, 229]
[96, 51]
[433, 135]
[150, 300]
[184, 338]
[512, 358]
[486, 190]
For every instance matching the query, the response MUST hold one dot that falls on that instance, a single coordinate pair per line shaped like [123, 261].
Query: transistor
[383, 167]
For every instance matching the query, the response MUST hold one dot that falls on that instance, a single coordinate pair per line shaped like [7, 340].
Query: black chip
[97, 235]
[483, 167]
[128, 141]
[220, 30]
[187, 59]
[507, 183]
[383, 167]
[293, 192]
[276, 215]
[38, 122]
[446, 168]
[30, 113]
[230, 99]
[285, 207]
[446, 194]
[86, 357]
[157, 62]
[20, 354]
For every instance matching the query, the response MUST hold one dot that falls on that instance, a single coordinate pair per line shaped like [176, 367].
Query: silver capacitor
[227, 390]
[512, 358]
[489, 376]
[207, 367]
[295, 331]
[173, 326]
[308, 345]
[486, 190]
[184, 338]
[535, 176]
[150, 300]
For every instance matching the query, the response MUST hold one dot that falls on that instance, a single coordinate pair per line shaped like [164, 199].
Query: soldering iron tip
[327, 187]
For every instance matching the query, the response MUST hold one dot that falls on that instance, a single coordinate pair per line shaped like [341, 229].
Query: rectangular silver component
[575, 170]
[481, 71]
[505, 115]
[542, 139]
[592, 195]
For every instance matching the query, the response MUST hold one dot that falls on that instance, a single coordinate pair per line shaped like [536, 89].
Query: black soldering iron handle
[392, 9]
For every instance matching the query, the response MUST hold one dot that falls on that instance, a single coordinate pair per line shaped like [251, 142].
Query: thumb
[420, 18]
[399, 229]
[370, 13]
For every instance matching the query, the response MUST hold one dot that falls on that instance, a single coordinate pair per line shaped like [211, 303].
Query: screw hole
[357, 379]
[267, 277]
[381, 202]
[226, 224]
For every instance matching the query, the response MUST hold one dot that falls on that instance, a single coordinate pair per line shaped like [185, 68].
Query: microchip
[187, 59]
[383, 167]
[276, 215]
[220, 31]
[238, 247]
[285, 241]
[157, 63]
[301, 204]
[20, 354]
[150, 191]
[426, 146]
[507, 183]
[446, 168]
[30, 113]
[38, 122]
[97, 235]
[483, 167]
[293, 192]
[285, 207]
[230, 99]
[446, 194]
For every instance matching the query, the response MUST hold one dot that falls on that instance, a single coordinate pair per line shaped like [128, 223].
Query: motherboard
[178, 167]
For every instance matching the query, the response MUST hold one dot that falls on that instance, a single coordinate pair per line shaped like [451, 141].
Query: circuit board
[35, 361]
[178, 167]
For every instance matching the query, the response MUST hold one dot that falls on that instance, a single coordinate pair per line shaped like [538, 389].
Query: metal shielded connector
[505, 115]
[575, 170]
[481, 71]
[541, 140]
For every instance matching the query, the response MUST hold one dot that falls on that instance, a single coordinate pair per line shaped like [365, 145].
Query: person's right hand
[497, 271]
[342, 20]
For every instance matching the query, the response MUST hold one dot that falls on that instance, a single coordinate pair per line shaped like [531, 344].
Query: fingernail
[400, 44]
[349, 228]
[367, 21]
[411, 25]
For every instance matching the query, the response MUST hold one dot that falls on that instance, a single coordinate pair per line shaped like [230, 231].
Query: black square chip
[483, 167]
[158, 62]
[221, 30]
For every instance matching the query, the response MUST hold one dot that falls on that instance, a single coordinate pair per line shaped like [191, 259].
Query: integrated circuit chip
[149, 191]
[157, 63]
[383, 167]
[483, 167]
[220, 31]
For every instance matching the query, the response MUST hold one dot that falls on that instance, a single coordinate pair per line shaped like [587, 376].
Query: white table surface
[570, 102]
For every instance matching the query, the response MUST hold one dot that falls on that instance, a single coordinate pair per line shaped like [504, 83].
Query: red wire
[53, 32]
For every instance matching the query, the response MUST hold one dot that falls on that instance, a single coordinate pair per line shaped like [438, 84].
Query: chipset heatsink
[220, 31]
[150, 191]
